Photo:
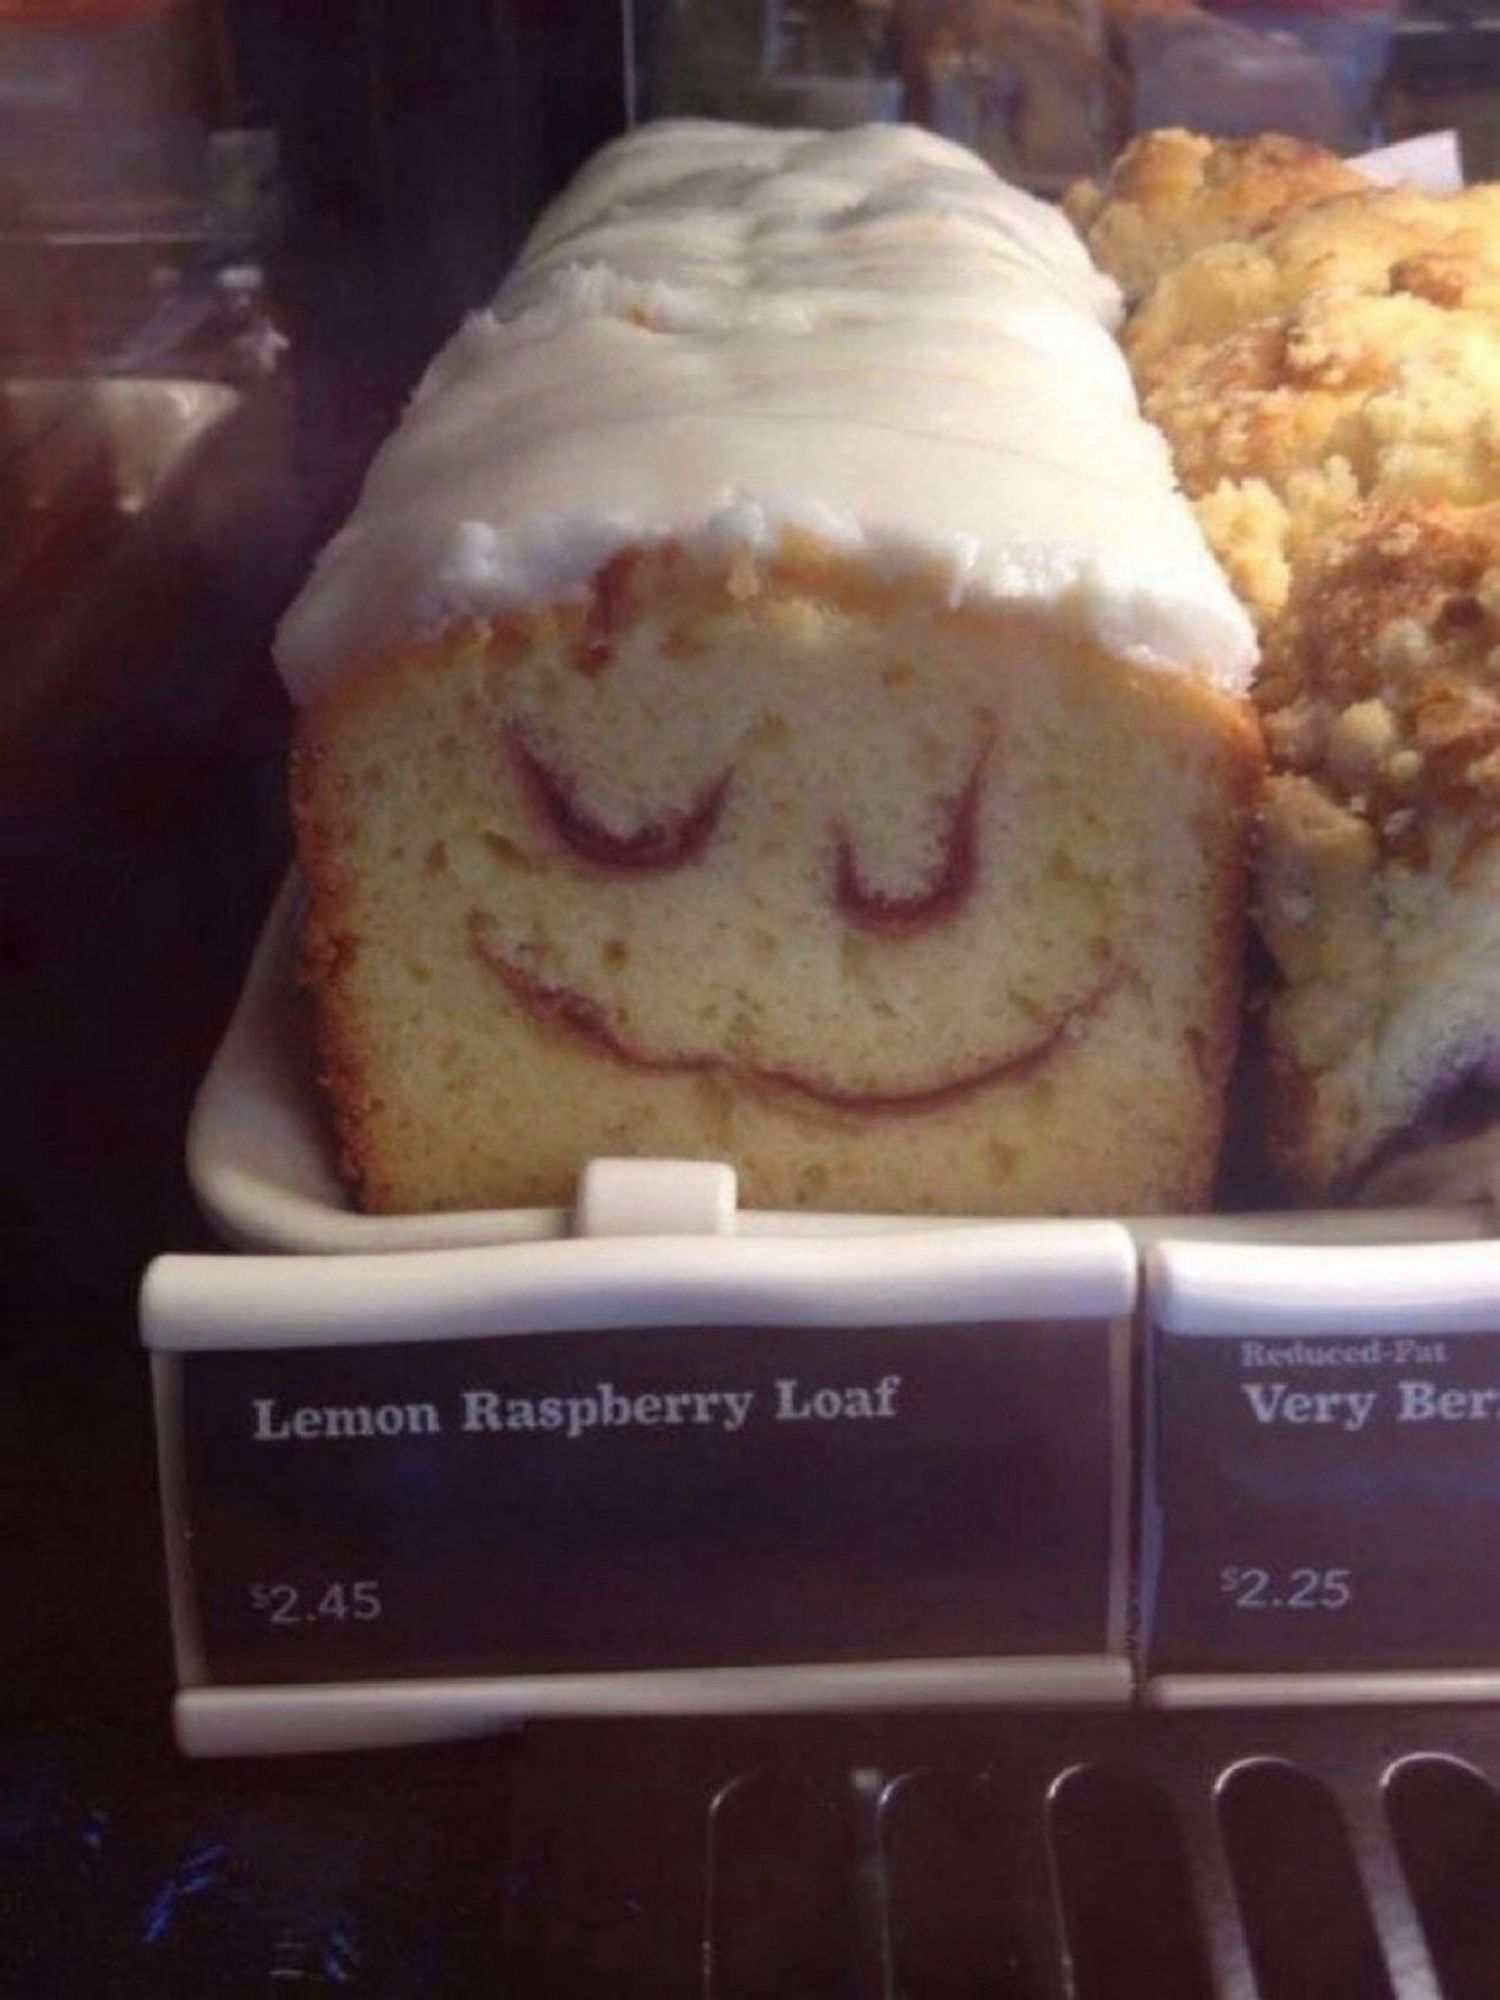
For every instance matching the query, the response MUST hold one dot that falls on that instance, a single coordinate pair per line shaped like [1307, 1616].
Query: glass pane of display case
[233, 236]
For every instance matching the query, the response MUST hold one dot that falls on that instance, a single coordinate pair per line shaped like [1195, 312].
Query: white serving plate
[261, 1159]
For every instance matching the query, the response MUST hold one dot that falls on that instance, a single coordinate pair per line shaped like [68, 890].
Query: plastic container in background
[1352, 38]
[1312, 71]
[1027, 84]
[818, 63]
[103, 115]
[1444, 71]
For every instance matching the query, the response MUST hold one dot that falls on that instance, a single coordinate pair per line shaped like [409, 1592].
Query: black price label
[605, 1501]
[1325, 1502]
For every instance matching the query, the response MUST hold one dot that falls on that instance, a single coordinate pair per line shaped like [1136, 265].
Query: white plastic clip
[656, 1198]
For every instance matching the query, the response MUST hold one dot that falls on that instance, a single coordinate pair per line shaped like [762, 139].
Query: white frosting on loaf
[719, 332]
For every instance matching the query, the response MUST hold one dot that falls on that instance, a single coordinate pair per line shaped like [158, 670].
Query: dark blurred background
[231, 233]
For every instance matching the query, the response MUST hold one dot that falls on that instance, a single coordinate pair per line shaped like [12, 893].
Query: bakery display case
[650, 1574]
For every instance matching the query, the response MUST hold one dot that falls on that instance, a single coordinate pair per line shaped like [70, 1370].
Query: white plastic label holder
[290, 1388]
[1321, 1514]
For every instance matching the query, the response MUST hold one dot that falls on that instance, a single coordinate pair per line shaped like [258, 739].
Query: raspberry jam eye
[950, 885]
[670, 842]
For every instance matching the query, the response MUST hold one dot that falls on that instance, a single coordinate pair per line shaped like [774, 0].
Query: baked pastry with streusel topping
[1383, 240]
[1173, 192]
[1379, 891]
[1329, 381]
[1343, 397]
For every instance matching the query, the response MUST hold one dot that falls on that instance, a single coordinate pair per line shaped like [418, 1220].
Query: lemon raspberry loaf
[771, 703]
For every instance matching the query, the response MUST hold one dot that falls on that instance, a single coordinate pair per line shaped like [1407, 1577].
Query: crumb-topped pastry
[1382, 240]
[771, 703]
[1330, 386]
[1380, 884]
[1285, 424]
[1173, 192]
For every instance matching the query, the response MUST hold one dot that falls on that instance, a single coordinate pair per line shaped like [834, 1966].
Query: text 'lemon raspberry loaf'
[772, 704]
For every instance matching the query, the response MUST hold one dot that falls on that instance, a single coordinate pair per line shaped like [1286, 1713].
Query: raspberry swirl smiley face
[708, 854]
